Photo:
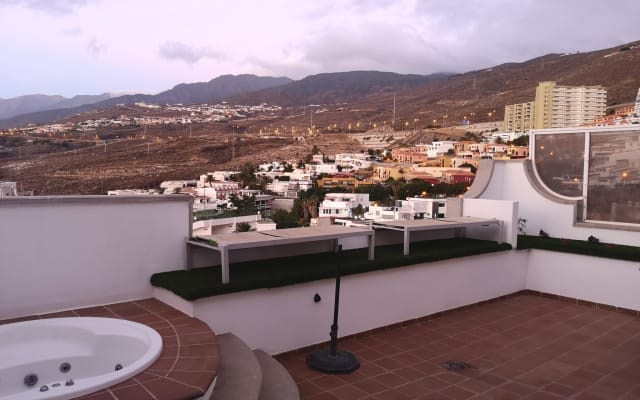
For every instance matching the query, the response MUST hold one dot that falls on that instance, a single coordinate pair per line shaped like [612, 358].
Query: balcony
[517, 323]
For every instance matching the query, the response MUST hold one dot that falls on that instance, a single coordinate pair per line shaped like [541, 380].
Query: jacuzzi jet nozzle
[30, 379]
[65, 367]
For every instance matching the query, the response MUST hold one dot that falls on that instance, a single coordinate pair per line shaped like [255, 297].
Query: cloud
[189, 54]
[74, 31]
[96, 46]
[57, 7]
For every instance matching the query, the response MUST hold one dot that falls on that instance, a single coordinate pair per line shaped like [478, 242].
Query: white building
[132, 192]
[217, 176]
[353, 161]
[438, 148]
[636, 110]
[171, 186]
[316, 169]
[409, 209]
[8, 189]
[340, 204]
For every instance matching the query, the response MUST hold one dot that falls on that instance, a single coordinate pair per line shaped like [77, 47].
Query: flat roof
[416, 225]
[246, 240]
[434, 224]
[243, 240]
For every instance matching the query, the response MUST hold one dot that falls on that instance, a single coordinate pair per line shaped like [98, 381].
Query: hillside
[40, 102]
[335, 88]
[360, 118]
[213, 91]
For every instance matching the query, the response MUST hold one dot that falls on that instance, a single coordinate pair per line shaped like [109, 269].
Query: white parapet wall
[600, 280]
[505, 211]
[287, 318]
[68, 252]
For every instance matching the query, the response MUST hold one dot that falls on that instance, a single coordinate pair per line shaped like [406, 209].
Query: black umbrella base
[342, 363]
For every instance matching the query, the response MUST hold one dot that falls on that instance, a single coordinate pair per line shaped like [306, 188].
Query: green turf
[205, 282]
[607, 250]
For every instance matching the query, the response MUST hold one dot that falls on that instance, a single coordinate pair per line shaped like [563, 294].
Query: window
[611, 170]
[559, 161]
[613, 189]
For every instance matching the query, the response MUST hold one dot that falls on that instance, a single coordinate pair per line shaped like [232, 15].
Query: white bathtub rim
[84, 386]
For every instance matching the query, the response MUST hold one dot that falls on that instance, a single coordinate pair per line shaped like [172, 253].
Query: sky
[70, 47]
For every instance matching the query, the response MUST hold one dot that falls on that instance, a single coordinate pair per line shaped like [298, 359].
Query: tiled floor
[188, 363]
[522, 347]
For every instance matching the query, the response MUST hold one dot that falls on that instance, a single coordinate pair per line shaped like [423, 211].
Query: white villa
[340, 204]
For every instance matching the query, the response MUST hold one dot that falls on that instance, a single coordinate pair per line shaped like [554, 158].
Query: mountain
[333, 88]
[481, 95]
[217, 89]
[40, 102]
[26, 104]
[213, 91]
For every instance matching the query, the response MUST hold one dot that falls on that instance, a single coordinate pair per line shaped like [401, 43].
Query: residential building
[409, 209]
[317, 169]
[221, 190]
[565, 106]
[636, 109]
[217, 175]
[519, 117]
[340, 204]
[8, 189]
[263, 201]
[353, 161]
[382, 172]
[340, 180]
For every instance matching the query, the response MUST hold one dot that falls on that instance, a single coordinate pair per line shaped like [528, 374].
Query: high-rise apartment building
[564, 106]
[519, 117]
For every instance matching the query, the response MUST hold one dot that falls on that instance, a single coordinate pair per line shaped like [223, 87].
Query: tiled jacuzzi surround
[188, 363]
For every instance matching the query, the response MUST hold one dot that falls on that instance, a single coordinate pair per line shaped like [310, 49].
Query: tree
[247, 176]
[499, 140]
[521, 141]
[210, 179]
[451, 153]
[284, 219]
[245, 205]
[470, 166]
[244, 227]
[357, 211]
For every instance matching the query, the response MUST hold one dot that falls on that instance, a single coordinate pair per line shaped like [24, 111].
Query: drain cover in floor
[453, 365]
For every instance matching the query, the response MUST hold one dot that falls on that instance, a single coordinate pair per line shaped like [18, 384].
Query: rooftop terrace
[522, 346]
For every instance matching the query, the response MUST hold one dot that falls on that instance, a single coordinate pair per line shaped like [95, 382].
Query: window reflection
[613, 192]
[559, 161]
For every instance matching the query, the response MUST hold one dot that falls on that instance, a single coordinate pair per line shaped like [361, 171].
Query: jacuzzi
[63, 358]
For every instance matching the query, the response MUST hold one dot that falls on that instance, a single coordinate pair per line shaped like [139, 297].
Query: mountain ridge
[213, 91]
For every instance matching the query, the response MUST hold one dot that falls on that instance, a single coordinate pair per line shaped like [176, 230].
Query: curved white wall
[509, 182]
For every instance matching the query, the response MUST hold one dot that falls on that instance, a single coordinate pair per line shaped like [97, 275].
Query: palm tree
[210, 181]
[244, 227]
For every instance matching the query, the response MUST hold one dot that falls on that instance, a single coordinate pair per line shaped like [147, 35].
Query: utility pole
[393, 121]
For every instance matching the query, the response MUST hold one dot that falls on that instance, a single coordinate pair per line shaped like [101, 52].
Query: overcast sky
[71, 47]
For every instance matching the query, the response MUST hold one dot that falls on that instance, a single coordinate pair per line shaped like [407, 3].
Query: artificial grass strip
[205, 282]
[584, 247]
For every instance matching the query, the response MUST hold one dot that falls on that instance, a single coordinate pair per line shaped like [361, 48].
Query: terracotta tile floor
[523, 347]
